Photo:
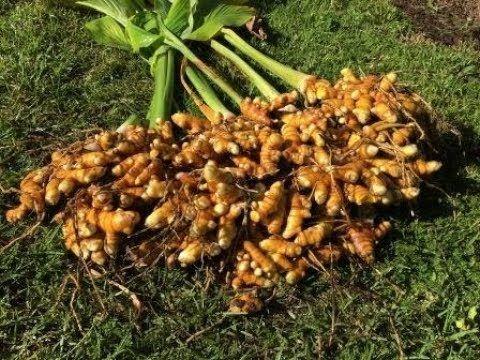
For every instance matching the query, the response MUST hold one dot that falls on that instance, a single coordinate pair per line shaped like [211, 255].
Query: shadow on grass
[457, 148]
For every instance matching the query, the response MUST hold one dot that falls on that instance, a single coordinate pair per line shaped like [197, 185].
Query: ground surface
[54, 84]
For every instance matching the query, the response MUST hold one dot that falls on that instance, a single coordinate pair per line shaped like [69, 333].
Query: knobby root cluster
[265, 196]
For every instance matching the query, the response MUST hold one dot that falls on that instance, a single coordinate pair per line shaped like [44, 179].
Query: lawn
[419, 299]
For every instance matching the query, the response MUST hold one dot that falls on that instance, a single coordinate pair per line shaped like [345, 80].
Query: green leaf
[142, 30]
[223, 15]
[203, 8]
[140, 38]
[180, 16]
[140, 4]
[120, 10]
[161, 7]
[147, 20]
[107, 31]
[235, 2]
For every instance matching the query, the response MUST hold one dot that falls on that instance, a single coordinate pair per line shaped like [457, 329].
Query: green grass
[55, 83]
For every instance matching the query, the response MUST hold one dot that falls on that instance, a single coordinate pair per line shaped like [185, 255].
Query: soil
[449, 22]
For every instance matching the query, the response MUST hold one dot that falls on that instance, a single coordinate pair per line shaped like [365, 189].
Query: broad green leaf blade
[180, 15]
[161, 7]
[146, 20]
[223, 15]
[140, 38]
[140, 4]
[120, 10]
[107, 31]
[203, 8]
[235, 2]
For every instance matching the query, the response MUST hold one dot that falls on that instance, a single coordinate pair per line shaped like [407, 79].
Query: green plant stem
[294, 78]
[206, 92]
[175, 42]
[161, 104]
[131, 120]
[267, 90]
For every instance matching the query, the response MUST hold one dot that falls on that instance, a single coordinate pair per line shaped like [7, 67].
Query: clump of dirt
[446, 21]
